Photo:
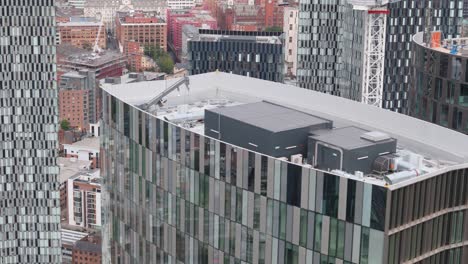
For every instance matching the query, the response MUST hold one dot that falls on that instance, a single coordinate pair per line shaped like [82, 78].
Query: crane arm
[157, 99]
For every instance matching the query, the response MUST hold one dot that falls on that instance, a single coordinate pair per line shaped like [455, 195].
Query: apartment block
[84, 201]
[290, 27]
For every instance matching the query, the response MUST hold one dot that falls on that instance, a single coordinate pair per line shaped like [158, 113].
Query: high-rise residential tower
[439, 82]
[29, 188]
[332, 45]
[243, 170]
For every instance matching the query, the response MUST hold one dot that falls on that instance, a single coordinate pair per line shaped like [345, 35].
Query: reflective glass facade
[406, 18]
[29, 186]
[318, 50]
[175, 196]
[238, 53]
[330, 45]
[439, 87]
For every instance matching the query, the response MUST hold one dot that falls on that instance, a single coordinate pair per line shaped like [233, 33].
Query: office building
[82, 34]
[254, 54]
[242, 170]
[30, 205]
[146, 28]
[332, 47]
[439, 84]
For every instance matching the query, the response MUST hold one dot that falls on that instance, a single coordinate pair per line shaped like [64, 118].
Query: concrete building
[82, 34]
[29, 189]
[84, 200]
[254, 54]
[84, 150]
[145, 28]
[304, 177]
[88, 250]
[439, 85]
[290, 26]
[178, 19]
[108, 8]
[106, 64]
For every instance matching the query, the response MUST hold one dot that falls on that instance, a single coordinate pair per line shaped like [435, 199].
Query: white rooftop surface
[432, 141]
[79, 24]
[70, 236]
[86, 143]
[68, 167]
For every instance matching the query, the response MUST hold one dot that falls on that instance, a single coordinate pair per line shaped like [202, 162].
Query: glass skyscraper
[330, 45]
[29, 188]
[177, 195]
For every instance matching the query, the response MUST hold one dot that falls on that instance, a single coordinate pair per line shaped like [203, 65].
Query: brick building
[274, 11]
[77, 99]
[177, 19]
[87, 250]
[145, 28]
[82, 33]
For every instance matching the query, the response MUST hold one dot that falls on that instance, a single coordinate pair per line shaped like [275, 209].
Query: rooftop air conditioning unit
[296, 158]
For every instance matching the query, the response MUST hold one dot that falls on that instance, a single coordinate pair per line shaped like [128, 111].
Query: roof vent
[375, 136]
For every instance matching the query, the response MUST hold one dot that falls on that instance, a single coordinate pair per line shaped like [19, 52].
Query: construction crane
[159, 98]
[96, 48]
[375, 26]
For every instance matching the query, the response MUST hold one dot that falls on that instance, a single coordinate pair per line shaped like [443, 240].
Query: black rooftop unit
[264, 127]
[348, 149]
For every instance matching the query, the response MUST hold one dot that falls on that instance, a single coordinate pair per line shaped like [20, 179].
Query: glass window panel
[330, 195]
[294, 185]
[318, 232]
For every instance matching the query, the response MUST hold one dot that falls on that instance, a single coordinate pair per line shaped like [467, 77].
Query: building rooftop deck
[441, 148]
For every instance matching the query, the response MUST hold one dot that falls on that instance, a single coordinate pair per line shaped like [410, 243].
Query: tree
[65, 124]
[86, 46]
[166, 64]
[274, 29]
[162, 58]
